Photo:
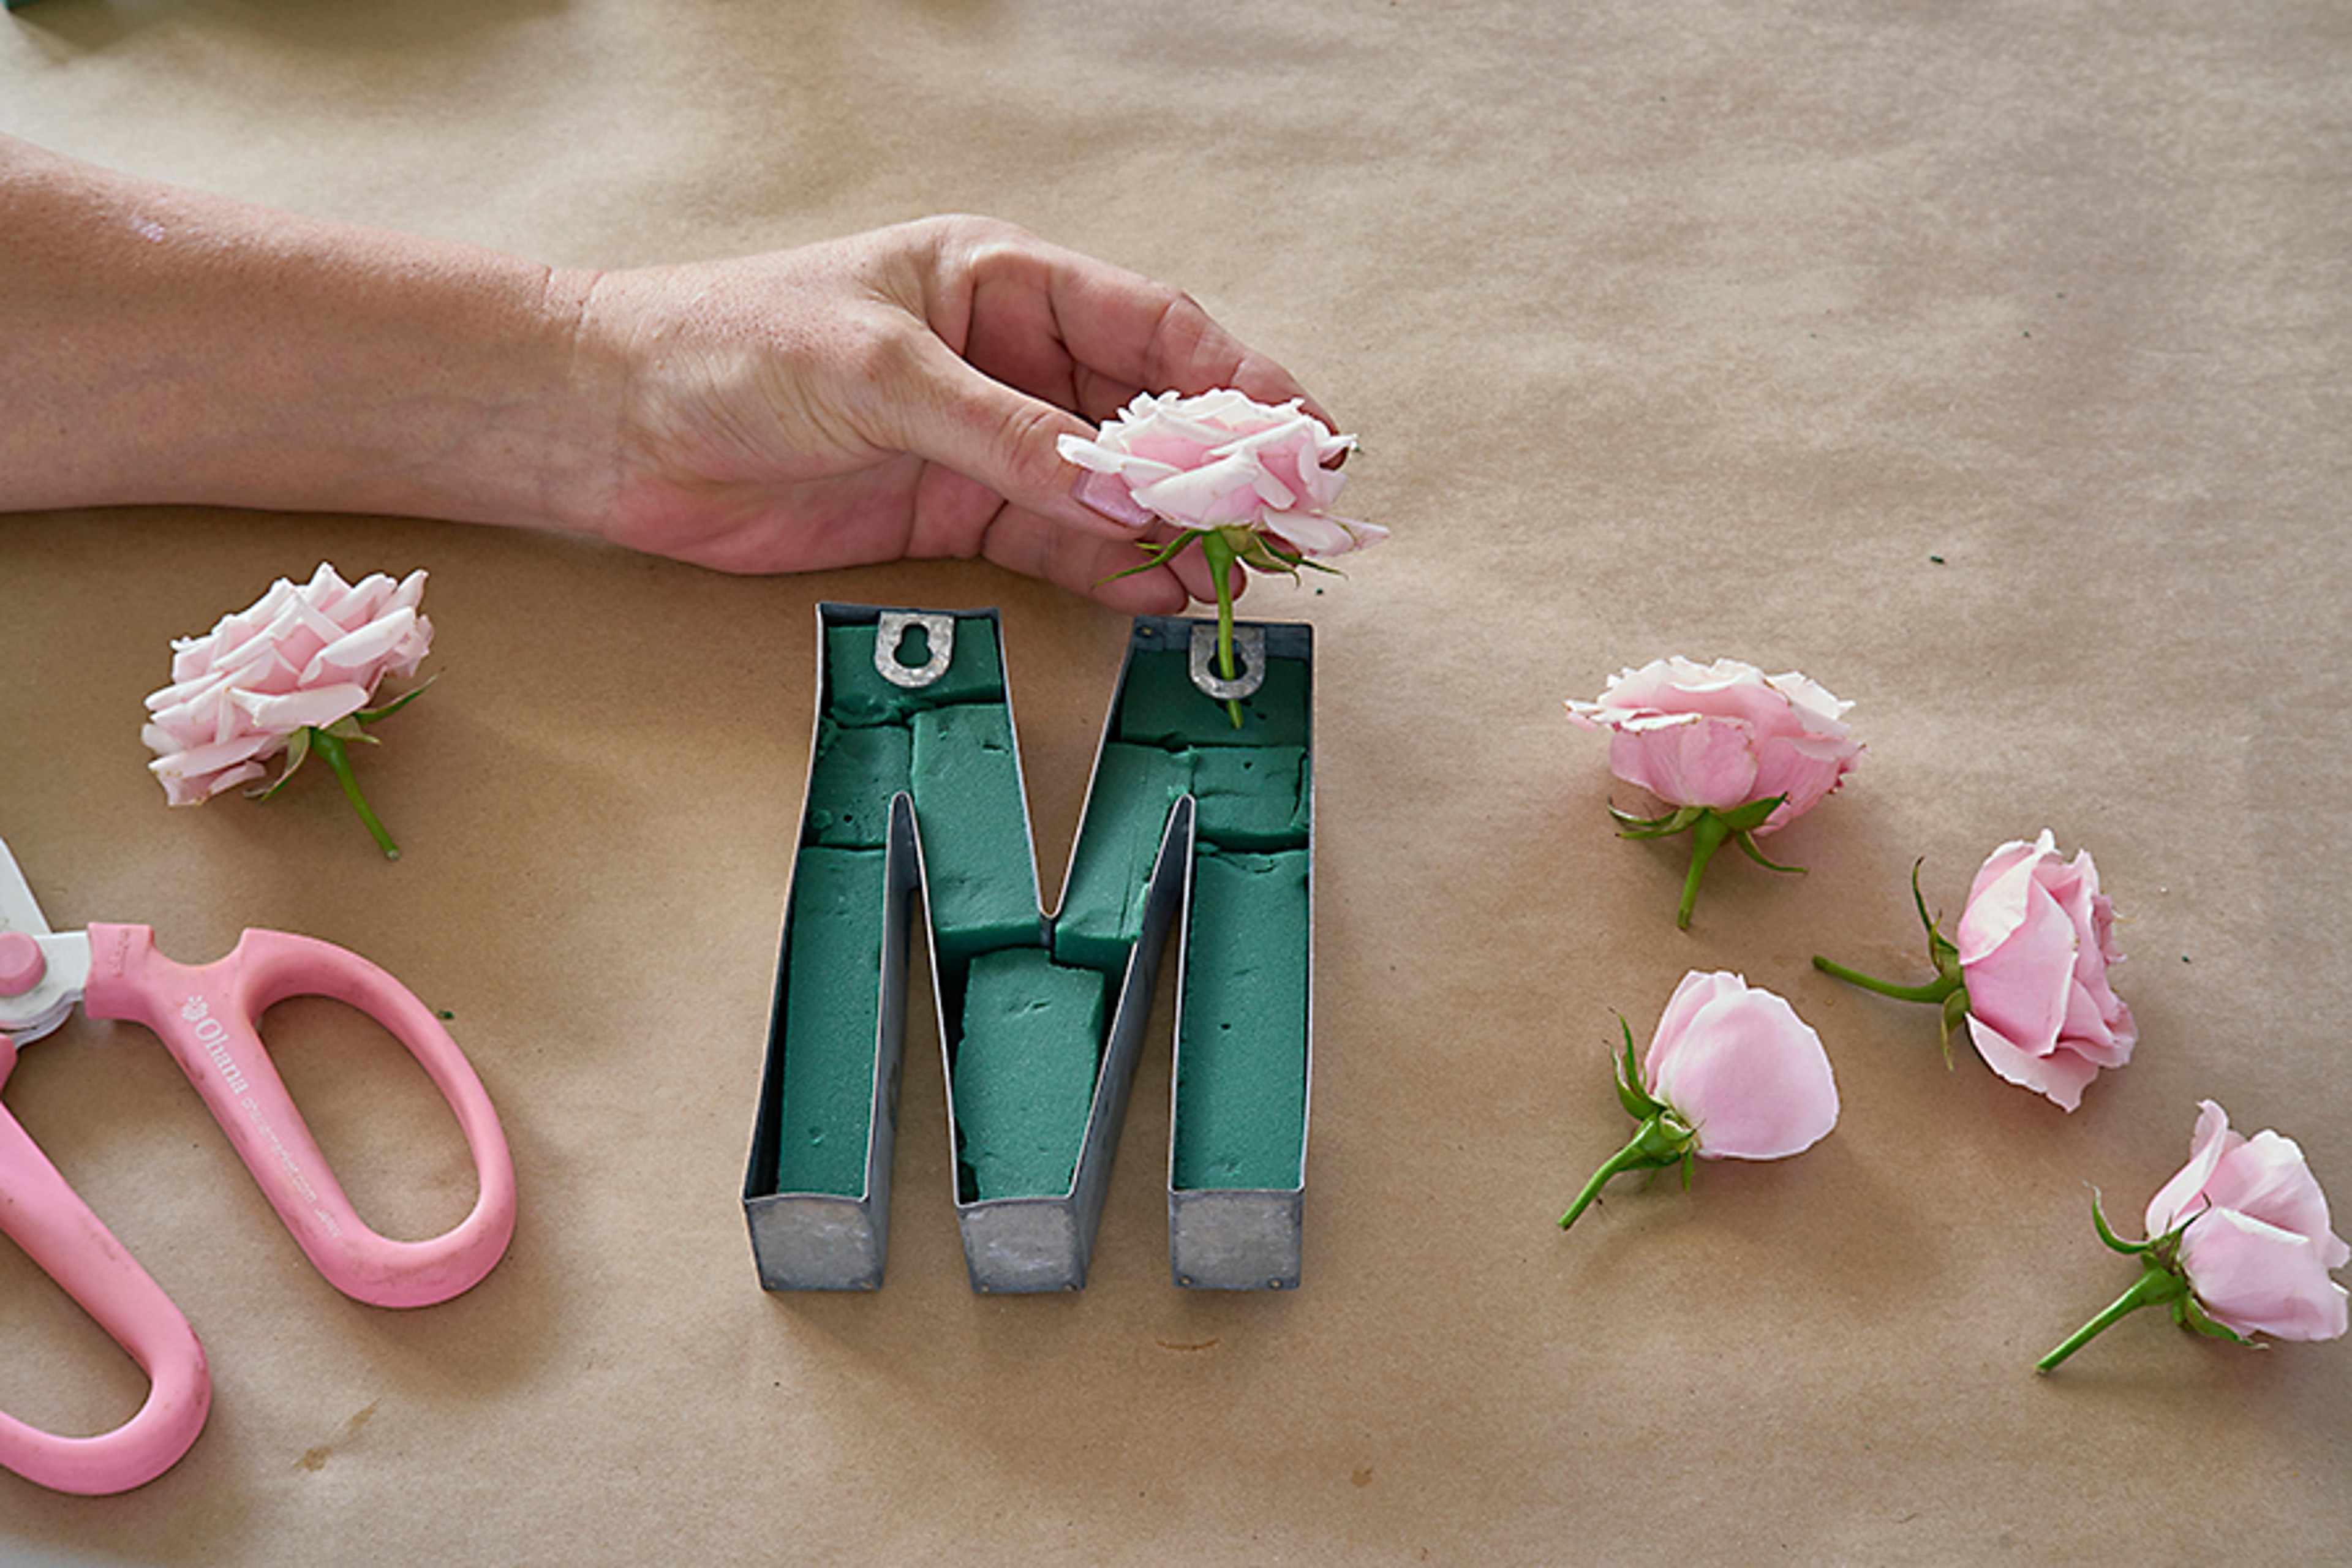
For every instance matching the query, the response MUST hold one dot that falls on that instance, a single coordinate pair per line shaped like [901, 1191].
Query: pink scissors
[206, 1017]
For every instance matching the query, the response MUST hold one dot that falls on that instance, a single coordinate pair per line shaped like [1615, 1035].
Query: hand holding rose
[897, 393]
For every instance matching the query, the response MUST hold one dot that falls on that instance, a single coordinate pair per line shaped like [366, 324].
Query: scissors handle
[56, 1230]
[206, 1017]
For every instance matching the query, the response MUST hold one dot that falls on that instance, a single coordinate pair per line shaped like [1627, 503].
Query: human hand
[894, 394]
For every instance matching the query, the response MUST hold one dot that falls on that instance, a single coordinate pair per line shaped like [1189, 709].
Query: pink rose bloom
[1731, 1074]
[2034, 944]
[1722, 735]
[1220, 460]
[1742, 1068]
[298, 656]
[2258, 1246]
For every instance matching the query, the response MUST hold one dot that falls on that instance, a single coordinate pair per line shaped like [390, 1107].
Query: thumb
[955, 415]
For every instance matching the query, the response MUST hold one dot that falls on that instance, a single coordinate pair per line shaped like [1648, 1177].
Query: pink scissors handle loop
[206, 1016]
[57, 1231]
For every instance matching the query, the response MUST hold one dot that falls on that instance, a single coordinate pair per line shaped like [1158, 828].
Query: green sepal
[298, 747]
[1666, 826]
[2189, 1314]
[1747, 842]
[1947, 1022]
[2108, 1235]
[1637, 1100]
[1747, 818]
[1156, 555]
[376, 715]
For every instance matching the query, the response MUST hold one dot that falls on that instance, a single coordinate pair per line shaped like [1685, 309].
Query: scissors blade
[19, 911]
[39, 984]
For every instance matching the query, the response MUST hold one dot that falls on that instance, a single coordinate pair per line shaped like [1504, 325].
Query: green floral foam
[1160, 706]
[1240, 1053]
[833, 1018]
[979, 870]
[857, 694]
[1110, 869]
[856, 772]
[1024, 1073]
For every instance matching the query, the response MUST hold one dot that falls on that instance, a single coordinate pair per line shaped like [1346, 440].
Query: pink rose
[2034, 944]
[299, 658]
[1723, 735]
[1742, 1068]
[2257, 1245]
[1220, 460]
[1735, 751]
[1731, 1074]
[2238, 1243]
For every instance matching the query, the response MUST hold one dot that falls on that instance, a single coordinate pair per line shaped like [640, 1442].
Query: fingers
[1084, 564]
[1092, 335]
[949, 413]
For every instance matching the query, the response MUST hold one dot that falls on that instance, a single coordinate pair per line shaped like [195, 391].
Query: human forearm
[161, 345]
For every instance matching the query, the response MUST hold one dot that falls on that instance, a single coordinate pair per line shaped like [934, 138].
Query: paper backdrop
[1985, 362]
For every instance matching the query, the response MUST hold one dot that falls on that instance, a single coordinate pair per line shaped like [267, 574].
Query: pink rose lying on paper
[1731, 1074]
[293, 673]
[1244, 480]
[2239, 1244]
[2028, 971]
[1736, 753]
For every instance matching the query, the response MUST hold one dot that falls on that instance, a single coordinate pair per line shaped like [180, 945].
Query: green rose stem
[1935, 991]
[2155, 1287]
[1222, 553]
[332, 741]
[1662, 1140]
[339, 758]
[1949, 992]
[1709, 829]
[2162, 1282]
[1218, 552]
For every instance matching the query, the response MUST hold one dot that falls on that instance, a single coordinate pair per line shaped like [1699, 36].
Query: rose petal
[2179, 1197]
[1686, 760]
[2017, 952]
[2060, 1075]
[2261, 1278]
[1744, 1070]
[2265, 1178]
[320, 706]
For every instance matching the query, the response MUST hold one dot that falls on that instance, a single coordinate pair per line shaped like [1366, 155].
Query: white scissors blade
[35, 995]
[19, 911]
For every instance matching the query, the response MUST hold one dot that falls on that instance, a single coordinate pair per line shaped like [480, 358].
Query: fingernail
[1107, 495]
